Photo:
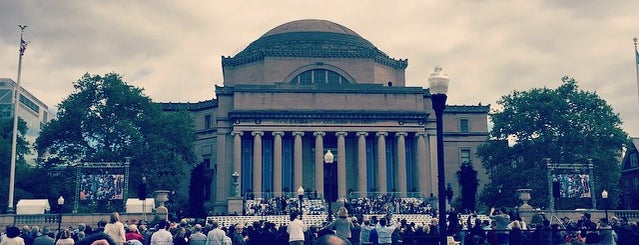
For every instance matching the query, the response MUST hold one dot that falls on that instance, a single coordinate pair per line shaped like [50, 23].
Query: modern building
[33, 111]
[630, 176]
[309, 86]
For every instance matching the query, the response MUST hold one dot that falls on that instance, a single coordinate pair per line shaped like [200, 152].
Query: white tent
[135, 205]
[32, 206]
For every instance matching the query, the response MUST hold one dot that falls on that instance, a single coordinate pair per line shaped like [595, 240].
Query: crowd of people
[358, 206]
[501, 228]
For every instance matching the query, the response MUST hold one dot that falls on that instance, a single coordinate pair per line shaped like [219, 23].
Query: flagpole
[636, 64]
[16, 107]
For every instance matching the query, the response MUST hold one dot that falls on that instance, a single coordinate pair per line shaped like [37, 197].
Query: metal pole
[301, 197]
[16, 107]
[59, 223]
[439, 103]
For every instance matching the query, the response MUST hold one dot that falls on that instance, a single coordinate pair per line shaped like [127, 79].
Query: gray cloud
[172, 49]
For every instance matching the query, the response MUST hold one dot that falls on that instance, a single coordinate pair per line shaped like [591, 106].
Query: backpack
[373, 238]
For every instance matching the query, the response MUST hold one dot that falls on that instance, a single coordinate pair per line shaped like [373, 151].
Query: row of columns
[423, 180]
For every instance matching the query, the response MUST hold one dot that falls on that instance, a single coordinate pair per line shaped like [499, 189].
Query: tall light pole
[60, 204]
[16, 108]
[330, 185]
[300, 195]
[438, 83]
[604, 195]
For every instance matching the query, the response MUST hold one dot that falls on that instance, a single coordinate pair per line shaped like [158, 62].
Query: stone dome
[311, 25]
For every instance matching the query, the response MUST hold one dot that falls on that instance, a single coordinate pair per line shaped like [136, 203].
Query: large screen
[102, 187]
[573, 185]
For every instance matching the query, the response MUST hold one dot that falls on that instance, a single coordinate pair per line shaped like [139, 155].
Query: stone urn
[524, 196]
[162, 196]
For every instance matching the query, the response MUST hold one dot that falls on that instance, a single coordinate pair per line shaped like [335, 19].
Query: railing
[37, 219]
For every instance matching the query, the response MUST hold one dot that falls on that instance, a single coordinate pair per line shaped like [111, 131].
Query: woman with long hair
[115, 229]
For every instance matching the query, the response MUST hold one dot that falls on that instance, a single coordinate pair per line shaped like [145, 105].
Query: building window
[207, 121]
[207, 163]
[319, 76]
[464, 156]
[633, 160]
[463, 125]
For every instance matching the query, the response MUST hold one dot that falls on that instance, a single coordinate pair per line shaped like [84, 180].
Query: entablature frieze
[328, 118]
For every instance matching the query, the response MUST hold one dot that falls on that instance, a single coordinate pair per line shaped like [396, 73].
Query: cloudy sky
[172, 49]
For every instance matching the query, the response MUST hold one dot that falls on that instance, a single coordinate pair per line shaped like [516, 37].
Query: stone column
[297, 160]
[319, 161]
[424, 178]
[277, 162]
[361, 163]
[237, 155]
[401, 163]
[257, 163]
[341, 164]
[381, 161]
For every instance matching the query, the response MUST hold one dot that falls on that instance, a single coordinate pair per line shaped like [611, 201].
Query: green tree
[469, 183]
[567, 125]
[6, 142]
[105, 119]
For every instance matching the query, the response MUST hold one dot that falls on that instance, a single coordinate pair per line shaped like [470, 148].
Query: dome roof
[310, 38]
[311, 25]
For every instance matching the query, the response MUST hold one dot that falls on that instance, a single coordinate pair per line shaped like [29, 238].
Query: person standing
[115, 229]
[162, 236]
[384, 232]
[12, 237]
[44, 238]
[365, 232]
[502, 220]
[197, 237]
[296, 230]
[65, 238]
[342, 225]
[216, 235]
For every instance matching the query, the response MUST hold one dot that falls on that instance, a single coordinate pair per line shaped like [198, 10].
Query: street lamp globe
[604, 194]
[329, 157]
[60, 201]
[300, 191]
[438, 81]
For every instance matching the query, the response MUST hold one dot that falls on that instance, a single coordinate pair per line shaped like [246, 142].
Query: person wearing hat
[13, 237]
[342, 225]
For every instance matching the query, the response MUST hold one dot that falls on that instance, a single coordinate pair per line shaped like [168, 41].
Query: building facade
[33, 111]
[630, 176]
[309, 86]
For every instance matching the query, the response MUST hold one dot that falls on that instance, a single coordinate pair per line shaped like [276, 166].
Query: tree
[469, 183]
[565, 124]
[6, 142]
[105, 119]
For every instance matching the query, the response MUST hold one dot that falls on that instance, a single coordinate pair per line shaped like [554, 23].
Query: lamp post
[236, 191]
[330, 186]
[60, 204]
[438, 83]
[300, 195]
[604, 195]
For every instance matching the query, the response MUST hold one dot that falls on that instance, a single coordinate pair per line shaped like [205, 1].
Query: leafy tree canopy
[565, 124]
[105, 119]
[6, 141]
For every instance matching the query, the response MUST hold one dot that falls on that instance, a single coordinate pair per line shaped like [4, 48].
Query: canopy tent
[32, 206]
[135, 205]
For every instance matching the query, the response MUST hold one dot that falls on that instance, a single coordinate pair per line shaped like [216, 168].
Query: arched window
[319, 76]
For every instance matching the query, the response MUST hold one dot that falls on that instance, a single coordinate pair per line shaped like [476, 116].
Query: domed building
[312, 86]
